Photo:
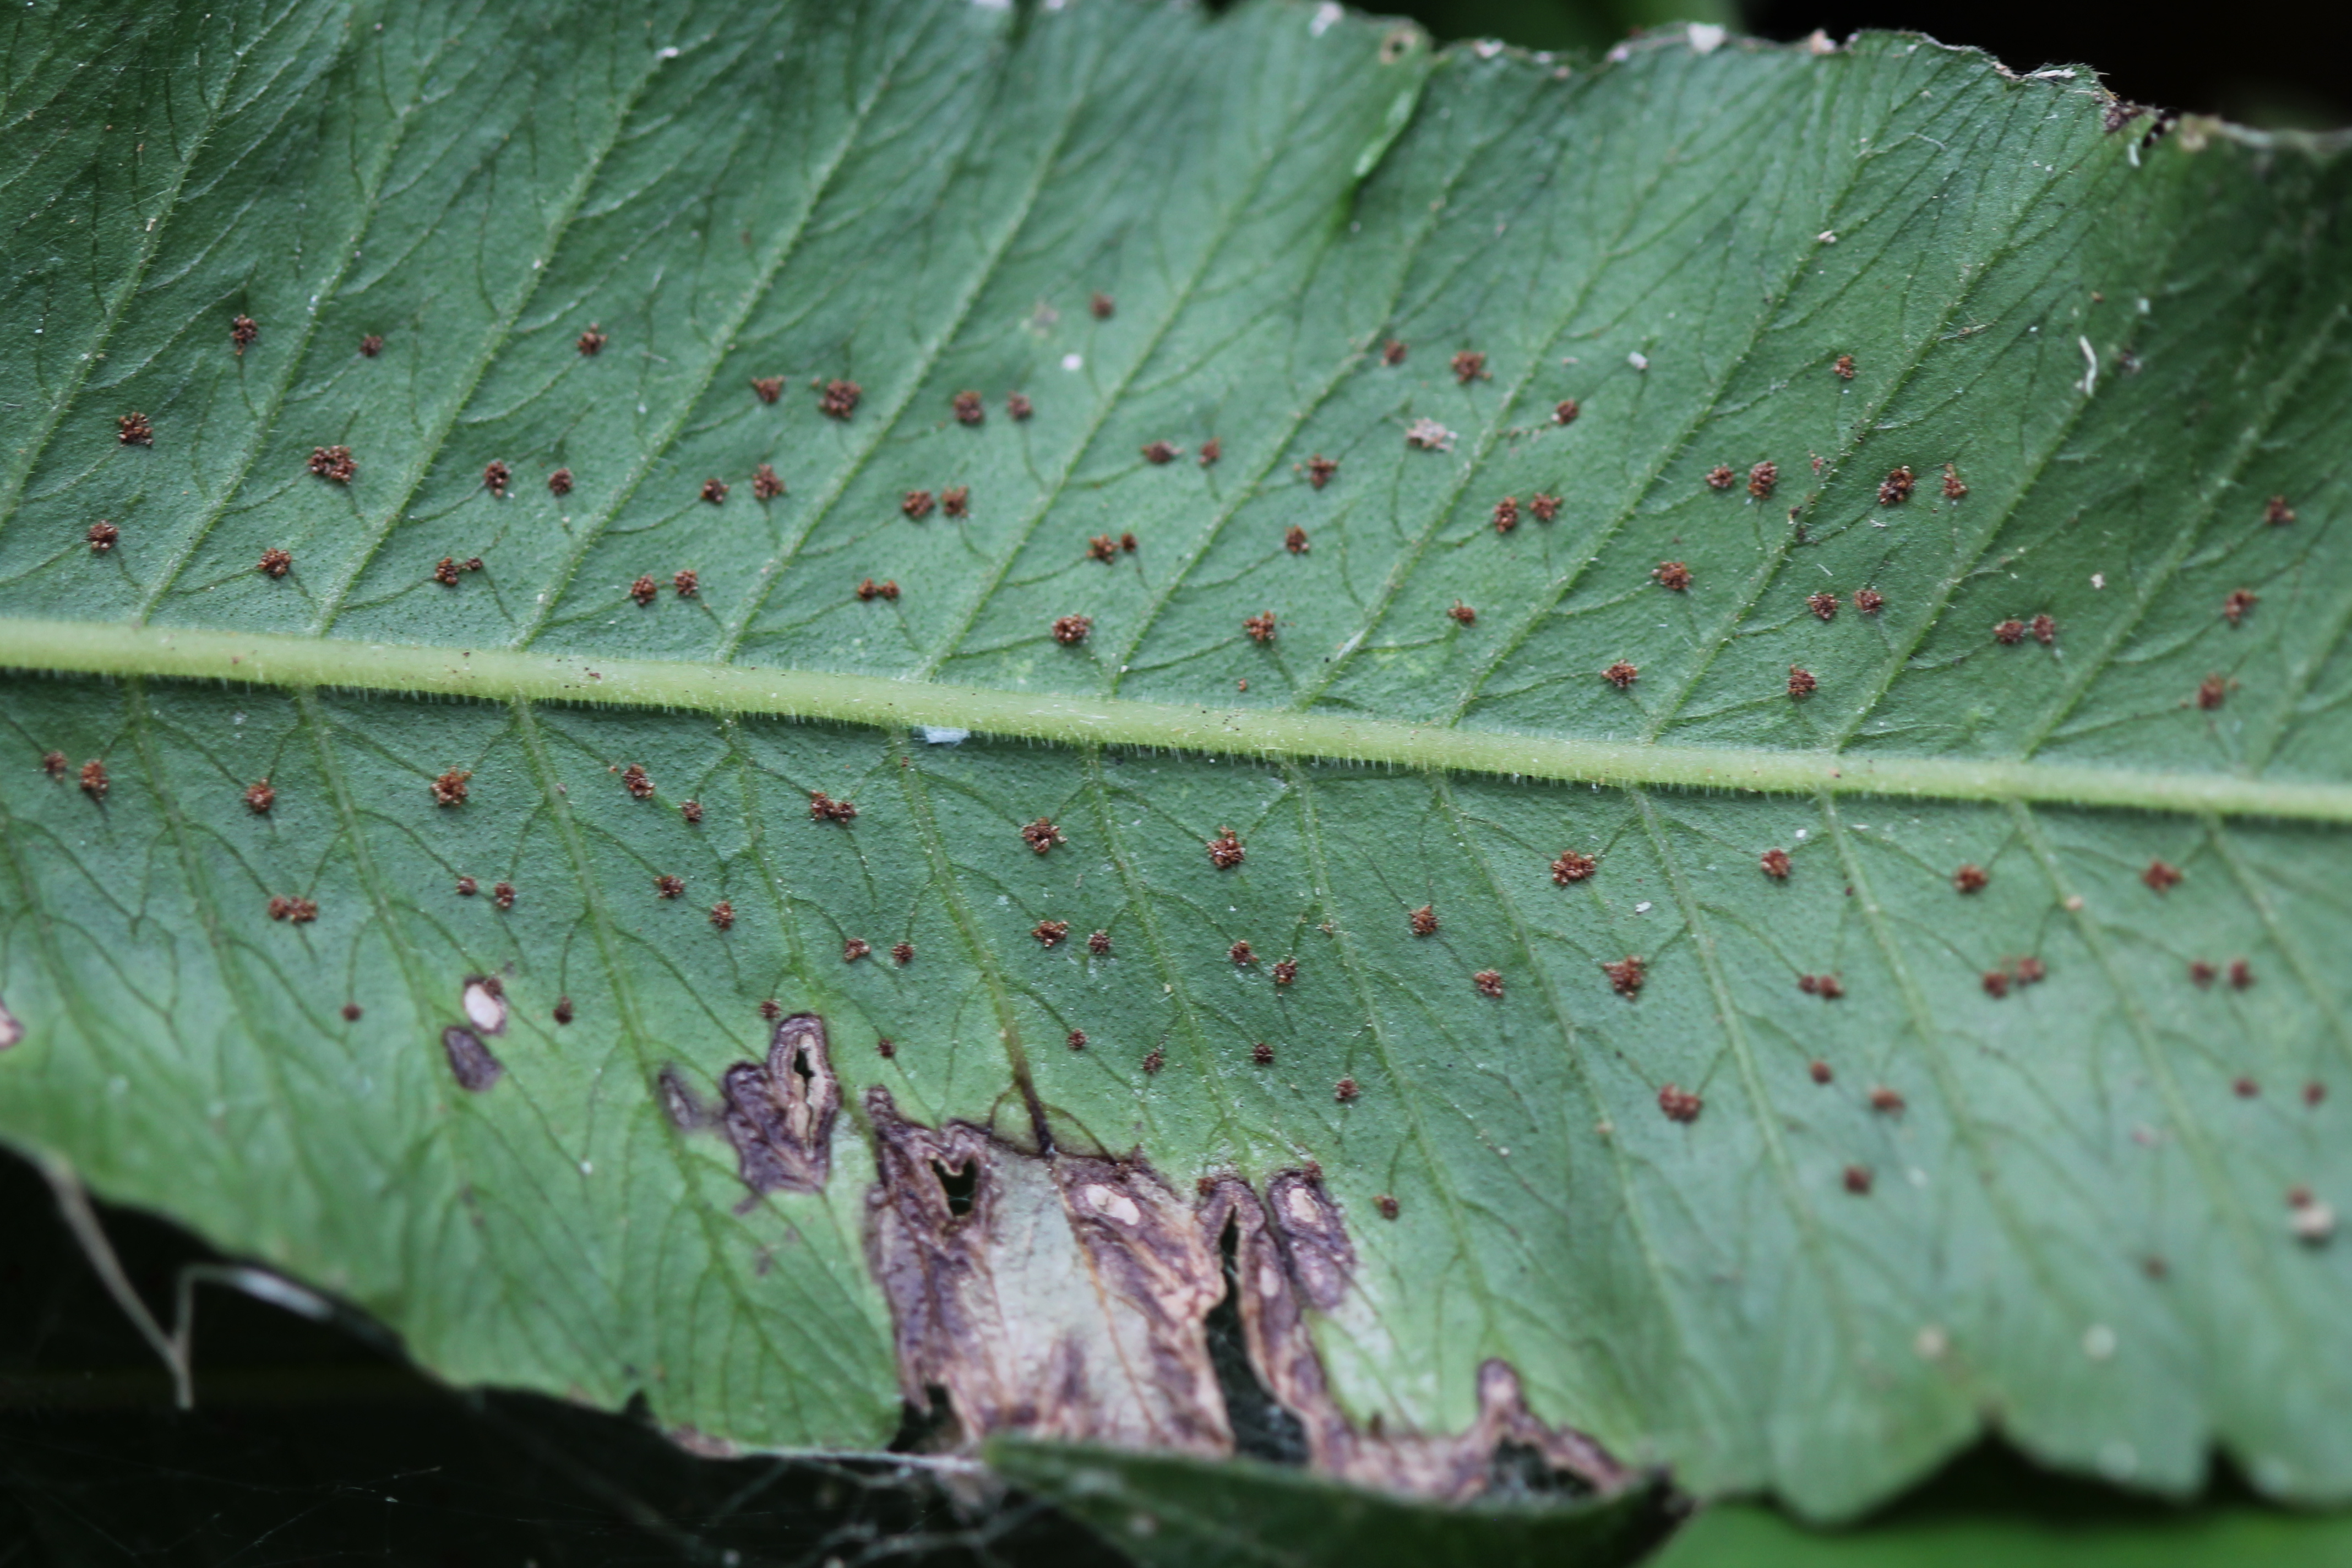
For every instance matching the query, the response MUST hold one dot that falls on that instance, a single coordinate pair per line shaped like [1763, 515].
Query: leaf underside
[2076, 1221]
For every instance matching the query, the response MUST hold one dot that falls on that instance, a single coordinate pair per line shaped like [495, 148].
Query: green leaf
[2077, 1217]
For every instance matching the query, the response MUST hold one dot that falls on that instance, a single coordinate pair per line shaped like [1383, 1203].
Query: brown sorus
[1098, 944]
[1802, 681]
[1545, 506]
[839, 399]
[765, 485]
[1490, 982]
[2160, 876]
[2031, 970]
[242, 331]
[956, 500]
[772, 1009]
[1828, 987]
[2314, 1092]
[274, 562]
[2010, 633]
[823, 807]
[1210, 450]
[639, 784]
[351, 1012]
[645, 590]
[1160, 452]
[446, 572]
[902, 952]
[722, 914]
[1720, 477]
[1620, 675]
[1345, 1090]
[1566, 413]
[102, 535]
[334, 463]
[1076, 1040]
[2242, 974]
[495, 475]
[1392, 353]
[1069, 630]
[133, 430]
[559, 483]
[885, 1047]
[1824, 606]
[1225, 850]
[692, 810]
[1018, 406]
[2201, 972]
[1507, 514]
[1286, 970]
[1679, 1104]
[1386, 1205]
[94, 782]
[868, 588]
[371, 345]
[1127, 543]
[969, 410]
[688, 582]
[1883, 1099]
[2276, 512]
[1762, 477]
[1626, 976]
[1996, 984]
[1857, 1180]
[450, 788]
[1896, 488]
[1154, 1060]
[1050, 934]
[503, 895]
[1423, 920]
[1320, 468]
[1463, 613]
[767, 388]
[1869, 601]
[1953, 487]
[1970, 878]
[1260, 627]
[2246, 1088]
[1102, 547]
[2045, 629]
[54, 763]
[1469, 366]
[1672, 575]
[591, 342]
[2212, 692]
[1844, 367]
[1294, 540]
[1241, 953]
[1573, 866]
[1102, 305]
[1820, 1071]
[300, 912]
[1042, 836]
[1775, 864]
[714, 490]
[2240, 600]
[915, 504]
[260, 797]
[1262, 1053]
[856, 948]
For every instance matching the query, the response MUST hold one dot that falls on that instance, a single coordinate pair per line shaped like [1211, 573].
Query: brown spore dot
[1896, 488]
[495, 475]
[1828, 987]
[1469, 366]
[1098, 944]
[637, 782]
[2010, 633]
[1321, 470]
[772, 1009]
[688, 582]
[1210, 450]
[839, 399]
[1225, 850]
[351, 1012]
[767, 388]
[559, 483]
[1844, 367]
[1621, 675]
[1242, 953]
[1566, 411]
[1819, 1070]
[242, 331]
[1824, 605]
[1970, 878]
[714, 490]
[722, 914]
[2201, 973]
[1573, 866]
[1672, 575]
[2276, 512]
[1392, 353]
[1802, 682]
[1286, 970]
[133, 430]
[1762, 477]
[1507, 514]
[1857, 1180]
[1953, 487]
[885, 1047]
[902, 954]
[1720, 477]
[2212, 692]
[868, 588]
[969, 410]
[1260, 627]
[1018, 406]
[371, 345]
[102, 536]
[765, 484]
[1869, 601]
[1386, 1205]
[2314, 1092]
[1160, 452]
[1042, 836]
[1679, 1104]
[1102, 305]
[692, 810]
[450, 788]
[335, 464]
[856, 948]
[1422, 921]
[259, 798]
[1464, 613]
[823, 807]
[2240, 600]
[668, 887]
[915, 504]
[1127, 543]
[1996, 984]
[1262, 1053]
[274, 562]
[54, 763]
[445, 572]
[591, 342]
[2242, 974]
[1886, 1100]
[2161, 876]
[1071, 630]
[1294, 540]
[1050, 934]
[503, 896]
[467, 887]
[2045, 629]
[956, 500]
[1102, 547]
[1775, 864]
[1626, 976]
[1490, 982]
[2246, 1088]
[1077, 1040]
[1345, 1090]
[1154, 1060]
[1546, 507]
[298, 912]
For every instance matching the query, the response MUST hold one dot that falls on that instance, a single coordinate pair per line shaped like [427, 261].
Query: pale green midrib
[113, 648]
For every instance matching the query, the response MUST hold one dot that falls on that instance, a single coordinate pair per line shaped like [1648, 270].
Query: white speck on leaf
[942, 735]
[2090, 381]
[1074, 362]
[1325, 14]
[1706, 37]
[2098, 1342]
[1638, 360]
